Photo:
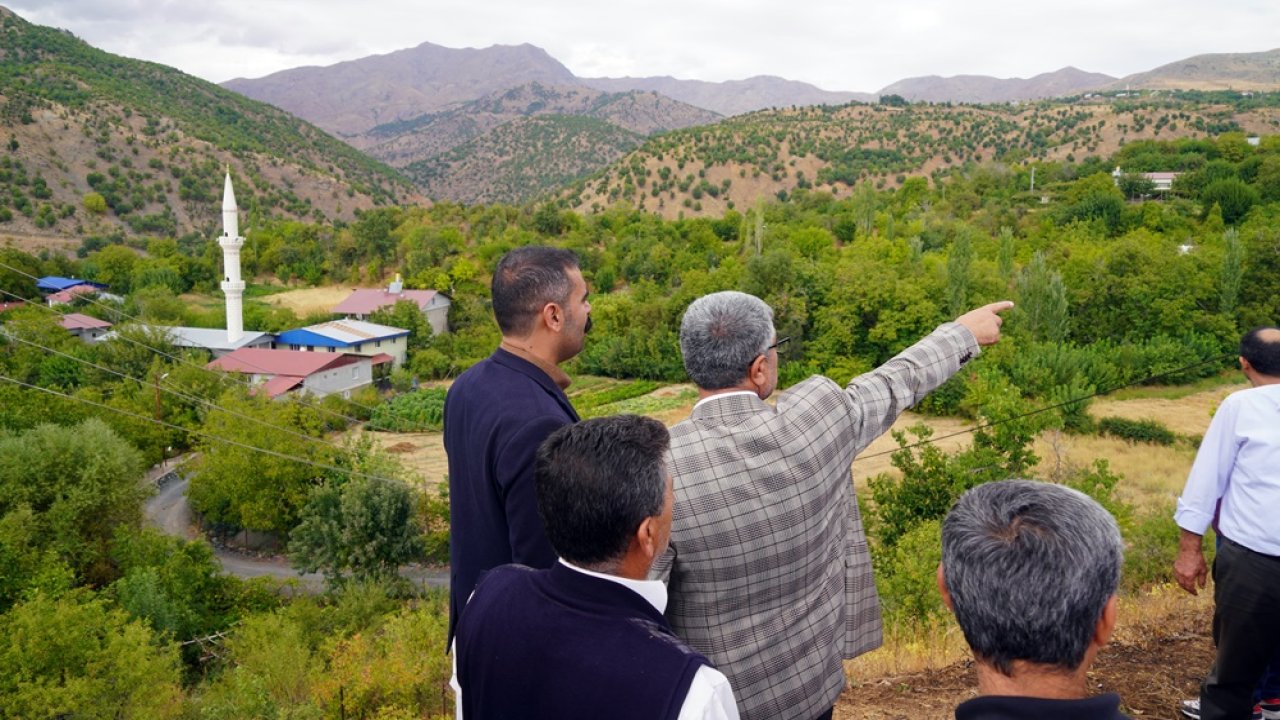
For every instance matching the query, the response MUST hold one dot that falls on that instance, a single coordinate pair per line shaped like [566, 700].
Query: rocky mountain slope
[95, 143]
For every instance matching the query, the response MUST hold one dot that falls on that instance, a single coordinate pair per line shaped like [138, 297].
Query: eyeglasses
[781, 341]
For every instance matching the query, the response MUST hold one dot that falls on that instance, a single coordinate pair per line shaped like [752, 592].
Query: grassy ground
[306, 301]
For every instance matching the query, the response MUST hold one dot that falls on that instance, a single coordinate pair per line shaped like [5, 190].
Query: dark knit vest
[560, 644]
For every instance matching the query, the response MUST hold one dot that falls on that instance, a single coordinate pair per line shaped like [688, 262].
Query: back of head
[1261, 347]
[526, 279]
[721, 334]
[1030, 567]
[597, 481]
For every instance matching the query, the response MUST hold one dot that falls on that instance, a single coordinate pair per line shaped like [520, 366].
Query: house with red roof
[276, 372]
[361, 303]
[88, 329]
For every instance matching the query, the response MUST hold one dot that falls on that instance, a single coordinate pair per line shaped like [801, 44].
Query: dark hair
[1263, 353]
[526, 279]
[1030, 567]
[597, 481]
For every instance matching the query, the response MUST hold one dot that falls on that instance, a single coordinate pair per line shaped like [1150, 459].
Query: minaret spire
[231, 242]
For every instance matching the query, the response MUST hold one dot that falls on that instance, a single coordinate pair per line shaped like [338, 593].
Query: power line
[177, 393]
[222, 376]
[201, 433]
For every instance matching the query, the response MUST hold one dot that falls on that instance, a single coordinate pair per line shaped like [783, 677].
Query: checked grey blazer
[768, 574]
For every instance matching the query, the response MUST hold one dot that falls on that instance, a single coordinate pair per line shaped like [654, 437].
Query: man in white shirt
[1237, 473]
[587, 637]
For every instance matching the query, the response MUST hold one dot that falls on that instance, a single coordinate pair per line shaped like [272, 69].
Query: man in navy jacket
[586, 639]
[500, 410]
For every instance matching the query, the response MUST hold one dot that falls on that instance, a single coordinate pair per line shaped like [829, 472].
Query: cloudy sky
[836, 44]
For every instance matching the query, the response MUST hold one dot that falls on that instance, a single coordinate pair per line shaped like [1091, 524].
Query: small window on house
[311, 348]
[355, 371]
[378, 344]
[295, 347]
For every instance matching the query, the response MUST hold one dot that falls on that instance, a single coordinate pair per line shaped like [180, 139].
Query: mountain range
[477, 125]
[101, 145]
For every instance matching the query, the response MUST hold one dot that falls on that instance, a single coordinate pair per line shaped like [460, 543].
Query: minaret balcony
[229, 285]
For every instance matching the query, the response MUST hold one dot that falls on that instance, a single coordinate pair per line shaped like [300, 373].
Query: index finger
[999, 306]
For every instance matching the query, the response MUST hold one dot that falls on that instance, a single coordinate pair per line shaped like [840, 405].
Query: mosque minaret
[231, 242]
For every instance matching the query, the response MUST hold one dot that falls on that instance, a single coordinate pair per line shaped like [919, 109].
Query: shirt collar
[558, 376]
[653, 591]
[723, 395]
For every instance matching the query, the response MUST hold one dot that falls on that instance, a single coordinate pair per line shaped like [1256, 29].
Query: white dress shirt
[709, 696]
[1239, 463]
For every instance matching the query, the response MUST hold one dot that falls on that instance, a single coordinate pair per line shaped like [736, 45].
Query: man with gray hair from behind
[1030, 570]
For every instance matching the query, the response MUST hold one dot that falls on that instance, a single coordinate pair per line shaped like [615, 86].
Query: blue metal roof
[54, 283]
[303, 336]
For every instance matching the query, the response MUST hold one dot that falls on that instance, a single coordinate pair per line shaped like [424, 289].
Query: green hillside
[152, 142]
[710, 169]
[524, 159]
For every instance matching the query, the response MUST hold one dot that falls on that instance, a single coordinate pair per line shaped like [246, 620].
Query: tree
[1136, 186]
[1235, 198]
[405, 314]
[73, 656]
[95, 203]
[363, 528]
[1232, 272]
[1005, 256]
[1042, 301]
[244, 488]
[77, 484]
[959, 261]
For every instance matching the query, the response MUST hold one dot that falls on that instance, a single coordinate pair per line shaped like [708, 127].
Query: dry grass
[935, 644]
[1187, 415]
[306, 301]
[1153, 474]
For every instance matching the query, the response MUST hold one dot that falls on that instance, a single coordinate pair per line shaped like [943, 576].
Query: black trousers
[1246, 630]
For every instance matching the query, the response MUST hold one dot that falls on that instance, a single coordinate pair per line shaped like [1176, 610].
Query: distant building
[55, 283]
[358, 337]
[276, 372]
[362, 303]
[66, 297]
[215, 339]
[1163, 181]
[88, 329]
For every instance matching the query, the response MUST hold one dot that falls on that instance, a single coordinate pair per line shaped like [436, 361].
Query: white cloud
[838, 45]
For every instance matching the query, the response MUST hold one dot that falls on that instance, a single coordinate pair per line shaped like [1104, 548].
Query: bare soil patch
[1152, 669]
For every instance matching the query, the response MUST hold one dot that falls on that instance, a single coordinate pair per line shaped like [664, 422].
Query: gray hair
[721, 335]
[1030, 567]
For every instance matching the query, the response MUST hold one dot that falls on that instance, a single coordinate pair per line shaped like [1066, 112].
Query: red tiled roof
[78, 321]
[381, 359]
[296, 363]
[7, 306]
[278, 385]
[363, 301]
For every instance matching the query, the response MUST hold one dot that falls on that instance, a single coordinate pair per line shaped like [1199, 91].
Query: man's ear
[1244, 365]
[647, 539]
[942, 588]
[758, 373]
[553, 316]
[1107, 622]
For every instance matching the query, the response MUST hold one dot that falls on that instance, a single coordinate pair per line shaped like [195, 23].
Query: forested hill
[707, 170]
[95, 143]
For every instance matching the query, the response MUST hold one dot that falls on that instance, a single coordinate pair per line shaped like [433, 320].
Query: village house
[357, 337]
[276, 372]
[361, 303]
[88, 329]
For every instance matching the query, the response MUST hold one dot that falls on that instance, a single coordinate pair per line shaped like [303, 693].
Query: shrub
[1136, 431]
